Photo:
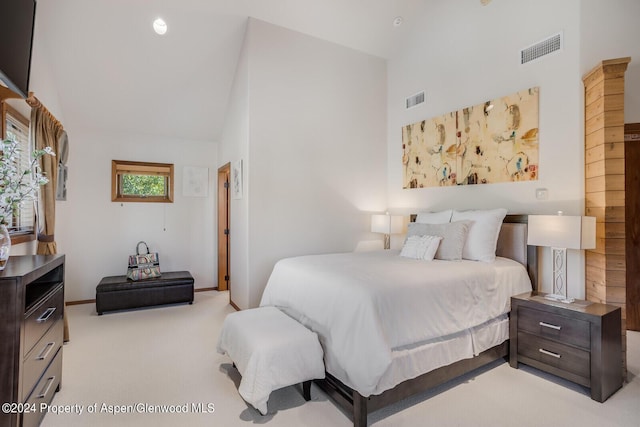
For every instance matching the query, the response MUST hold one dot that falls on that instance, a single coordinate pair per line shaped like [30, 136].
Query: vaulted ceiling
[112, 72]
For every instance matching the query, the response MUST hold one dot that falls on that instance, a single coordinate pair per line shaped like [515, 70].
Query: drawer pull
[46, 315]
[45, 351]
[46, 387]
[548, 325]
[549, 353]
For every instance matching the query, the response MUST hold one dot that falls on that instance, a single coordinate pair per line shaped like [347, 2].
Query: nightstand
[580, 341]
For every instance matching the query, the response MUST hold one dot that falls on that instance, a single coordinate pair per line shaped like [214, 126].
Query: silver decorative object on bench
[143, 266]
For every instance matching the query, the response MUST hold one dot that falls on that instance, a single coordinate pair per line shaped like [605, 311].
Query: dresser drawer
[555, 327]
[39, 319]
[43, 392]
[552, 353]
[40, 356]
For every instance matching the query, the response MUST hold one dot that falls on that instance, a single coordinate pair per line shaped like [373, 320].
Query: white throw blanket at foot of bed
[271, 351]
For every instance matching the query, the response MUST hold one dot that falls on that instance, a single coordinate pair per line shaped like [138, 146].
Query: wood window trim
[119, 167]
[17, 237]
[22, 237]
[6, 108]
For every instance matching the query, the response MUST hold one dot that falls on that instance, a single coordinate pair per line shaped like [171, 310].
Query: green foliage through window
[144, 185]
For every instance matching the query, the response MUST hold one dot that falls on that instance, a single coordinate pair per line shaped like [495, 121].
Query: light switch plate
[542, 193]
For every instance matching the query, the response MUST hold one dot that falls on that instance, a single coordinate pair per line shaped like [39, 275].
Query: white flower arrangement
[18, 186]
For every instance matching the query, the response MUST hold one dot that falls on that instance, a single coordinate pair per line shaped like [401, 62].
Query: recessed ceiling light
[397, 21]
[159, 26]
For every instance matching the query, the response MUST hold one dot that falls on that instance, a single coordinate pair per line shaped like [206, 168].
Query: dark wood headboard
[512, 243]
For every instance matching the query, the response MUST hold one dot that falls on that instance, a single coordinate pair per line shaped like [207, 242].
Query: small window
[141, 182]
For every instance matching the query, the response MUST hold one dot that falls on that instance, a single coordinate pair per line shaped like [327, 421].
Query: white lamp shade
[387, 224]
[560, 231]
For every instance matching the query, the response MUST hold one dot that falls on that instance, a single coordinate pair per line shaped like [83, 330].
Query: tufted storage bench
[270, 350]
[118, 293]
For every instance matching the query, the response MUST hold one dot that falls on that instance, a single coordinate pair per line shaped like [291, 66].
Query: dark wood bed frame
[361, 406]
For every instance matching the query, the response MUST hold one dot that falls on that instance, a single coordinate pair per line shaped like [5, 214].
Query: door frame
[632, 242]
[223, 228]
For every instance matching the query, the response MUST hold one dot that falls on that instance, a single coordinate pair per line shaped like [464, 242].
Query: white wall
[317, 158]
[234, 146]
[463, 54]
[610, 30]
[97, 234]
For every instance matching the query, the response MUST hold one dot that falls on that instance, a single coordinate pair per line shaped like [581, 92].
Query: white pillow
[483, 233]
[410, 247]
[420, 247]
[441, 217]
[453, 237]
[431, 244]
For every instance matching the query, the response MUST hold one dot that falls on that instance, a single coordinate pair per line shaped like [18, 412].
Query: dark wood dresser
[580, 341]
[31, 333]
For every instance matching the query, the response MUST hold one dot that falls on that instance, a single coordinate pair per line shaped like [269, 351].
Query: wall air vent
[414, 100]
[542, 48]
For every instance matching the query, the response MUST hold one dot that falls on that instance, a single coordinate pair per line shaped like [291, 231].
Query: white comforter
[364, 305]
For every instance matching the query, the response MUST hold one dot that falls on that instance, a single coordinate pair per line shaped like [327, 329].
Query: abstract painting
[496, 141]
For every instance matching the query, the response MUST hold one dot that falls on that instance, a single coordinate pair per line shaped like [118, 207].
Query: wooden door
[223, 228]
[632, 223]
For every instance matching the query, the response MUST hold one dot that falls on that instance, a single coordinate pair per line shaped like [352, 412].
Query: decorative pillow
[420, 247]
[453, 236]
[441, 217]
[431, 244]
[483, 233]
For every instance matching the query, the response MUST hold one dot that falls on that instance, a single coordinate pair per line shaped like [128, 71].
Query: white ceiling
[113, 72]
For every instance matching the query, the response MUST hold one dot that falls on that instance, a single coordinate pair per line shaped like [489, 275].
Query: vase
[5, 246]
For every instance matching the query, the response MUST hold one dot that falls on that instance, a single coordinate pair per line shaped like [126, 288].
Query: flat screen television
[17, 18]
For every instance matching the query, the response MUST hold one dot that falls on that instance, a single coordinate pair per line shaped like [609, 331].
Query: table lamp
[387, 225]
[561, 232]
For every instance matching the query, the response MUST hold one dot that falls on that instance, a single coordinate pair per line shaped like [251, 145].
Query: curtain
[46, 132]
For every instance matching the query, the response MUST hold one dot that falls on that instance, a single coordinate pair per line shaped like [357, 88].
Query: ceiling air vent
[540, 49]
[414, 100]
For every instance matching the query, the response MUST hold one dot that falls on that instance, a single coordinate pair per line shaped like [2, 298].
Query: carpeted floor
[118, 368]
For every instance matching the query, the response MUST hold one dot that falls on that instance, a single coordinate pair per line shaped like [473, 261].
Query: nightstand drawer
[560, 356]
[554, 327]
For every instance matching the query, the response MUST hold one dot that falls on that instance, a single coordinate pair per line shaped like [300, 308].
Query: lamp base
[559, 256]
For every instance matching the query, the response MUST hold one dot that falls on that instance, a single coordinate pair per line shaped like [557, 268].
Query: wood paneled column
[605, 186]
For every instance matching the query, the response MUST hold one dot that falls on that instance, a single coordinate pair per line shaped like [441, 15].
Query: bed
[392, 326]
